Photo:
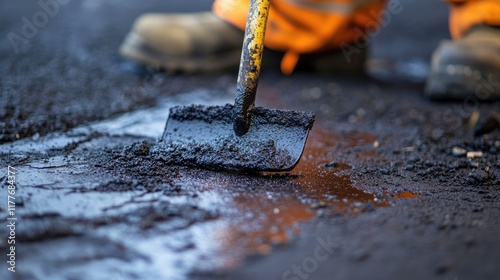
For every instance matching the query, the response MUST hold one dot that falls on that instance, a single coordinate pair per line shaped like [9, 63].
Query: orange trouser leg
[305, 26]
[467, 13]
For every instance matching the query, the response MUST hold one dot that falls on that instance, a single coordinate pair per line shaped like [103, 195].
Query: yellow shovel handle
[250, 63]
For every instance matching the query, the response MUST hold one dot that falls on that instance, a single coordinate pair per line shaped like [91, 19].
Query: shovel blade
[203, 136]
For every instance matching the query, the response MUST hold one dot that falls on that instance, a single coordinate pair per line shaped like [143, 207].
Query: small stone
[360, 255]
[474, 154]
[442, 269]
[409, 167]
[321, 213]
[474, 117]
[458, 152]
[332, 164]
[479, 176]
[474, 164]
[318, 205]
[20, 202]
[369, 207]
[408, 149]
[376, 144]
[384, 171]
[490, 124]
[412, 160]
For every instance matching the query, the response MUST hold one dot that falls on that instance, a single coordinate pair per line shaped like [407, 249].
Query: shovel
[239, 137]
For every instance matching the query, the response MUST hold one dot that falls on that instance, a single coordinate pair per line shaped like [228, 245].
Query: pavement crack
[44, 186]
[50, 166]
[118, 206]
[73, 145]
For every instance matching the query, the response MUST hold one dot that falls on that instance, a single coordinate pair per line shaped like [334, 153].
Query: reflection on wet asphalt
[253, 212]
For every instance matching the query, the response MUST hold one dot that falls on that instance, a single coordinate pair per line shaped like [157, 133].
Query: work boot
[203, 42]
[198, 42]
[468, 67]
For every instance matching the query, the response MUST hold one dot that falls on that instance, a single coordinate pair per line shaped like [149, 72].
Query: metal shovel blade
[203, 136]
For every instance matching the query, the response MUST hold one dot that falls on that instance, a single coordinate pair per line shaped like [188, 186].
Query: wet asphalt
[390, 186]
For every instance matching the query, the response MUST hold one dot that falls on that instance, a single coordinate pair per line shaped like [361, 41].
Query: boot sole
[460, 82]
[136, 48]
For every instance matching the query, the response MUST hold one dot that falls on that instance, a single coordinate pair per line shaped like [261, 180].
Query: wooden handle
[250, 64]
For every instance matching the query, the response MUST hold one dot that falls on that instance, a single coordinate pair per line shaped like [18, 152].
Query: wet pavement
[390, 185]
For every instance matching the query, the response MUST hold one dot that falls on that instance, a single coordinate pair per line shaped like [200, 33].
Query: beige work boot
[197, 42]
[203, 42]
[468, 67]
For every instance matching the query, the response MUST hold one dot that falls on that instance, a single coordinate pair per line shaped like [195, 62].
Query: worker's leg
[465, 14]
[299, 27]
[468, 66]
[327, 35]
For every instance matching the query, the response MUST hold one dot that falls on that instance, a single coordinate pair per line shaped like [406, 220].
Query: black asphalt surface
[390, 186]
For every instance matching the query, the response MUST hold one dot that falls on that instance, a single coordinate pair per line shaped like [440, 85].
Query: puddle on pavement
[322, 179]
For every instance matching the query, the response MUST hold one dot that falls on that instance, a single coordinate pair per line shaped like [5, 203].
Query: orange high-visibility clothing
[307, 26]
[466, 13]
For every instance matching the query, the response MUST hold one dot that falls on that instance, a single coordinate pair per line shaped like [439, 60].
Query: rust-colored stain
[268, 220]
[323, 180]
[407, 194]
[318, 184]
[273, 219]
